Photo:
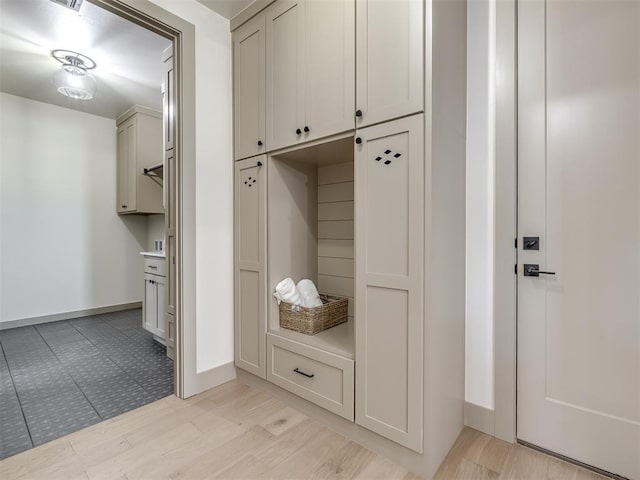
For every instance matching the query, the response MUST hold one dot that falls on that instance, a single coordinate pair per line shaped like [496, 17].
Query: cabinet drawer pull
[152, 266]
[297, 370]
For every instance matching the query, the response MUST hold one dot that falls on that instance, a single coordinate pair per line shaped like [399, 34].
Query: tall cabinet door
[330, 67]
[250, 265]
[249, 88]
[126, 166]
[389, 230]
[171, 210]
[150, 304]
[285, 73]
[122, 170]
[160, 306]
[390, 59]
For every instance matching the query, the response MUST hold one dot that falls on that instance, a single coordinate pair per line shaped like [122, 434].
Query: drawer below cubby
[315, 375]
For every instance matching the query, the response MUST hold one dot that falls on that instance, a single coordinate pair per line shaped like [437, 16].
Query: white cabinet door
[126, 166]
[390, 59]
[122, 171]
[330, 67]
[285, 73]
[249, 88]
[250, 265]
[150, 304]
[389, 231]
[160, 308]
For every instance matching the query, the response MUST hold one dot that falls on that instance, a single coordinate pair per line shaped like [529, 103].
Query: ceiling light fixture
[73, 80]
[72, 4]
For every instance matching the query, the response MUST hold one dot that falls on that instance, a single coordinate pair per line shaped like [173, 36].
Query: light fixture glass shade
[75, 82]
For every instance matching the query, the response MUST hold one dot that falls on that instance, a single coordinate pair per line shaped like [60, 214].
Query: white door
[579, 192]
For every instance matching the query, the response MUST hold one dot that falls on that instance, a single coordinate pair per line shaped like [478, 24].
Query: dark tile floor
[60, 377]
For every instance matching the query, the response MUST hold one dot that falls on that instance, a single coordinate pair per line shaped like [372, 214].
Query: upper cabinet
[286, 38]
[139, 140]
[310, 70]
[330, 67]
[249, 88]
[306, 69]
[390, 60]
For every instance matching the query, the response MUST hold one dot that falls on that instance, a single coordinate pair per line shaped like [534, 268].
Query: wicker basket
[314, 320]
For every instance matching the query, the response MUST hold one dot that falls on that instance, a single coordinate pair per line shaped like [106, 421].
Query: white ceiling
[226, 8]
[129, 61]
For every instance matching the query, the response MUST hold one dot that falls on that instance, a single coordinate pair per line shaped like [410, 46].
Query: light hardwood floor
[238, 432]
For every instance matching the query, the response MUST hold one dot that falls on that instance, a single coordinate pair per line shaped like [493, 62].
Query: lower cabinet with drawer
[153, 305]
[315, 375]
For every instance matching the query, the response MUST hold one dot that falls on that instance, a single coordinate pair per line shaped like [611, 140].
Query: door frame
[505, 224]
[182, 33]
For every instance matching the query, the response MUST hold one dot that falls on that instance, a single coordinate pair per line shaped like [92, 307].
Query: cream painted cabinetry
[390, 60]
[249, 88]
[250, 292]
[369, 204]
[389, 232]
[153, 305]
[314, 374]
[171, 199]
[310, 70]
[139, 146]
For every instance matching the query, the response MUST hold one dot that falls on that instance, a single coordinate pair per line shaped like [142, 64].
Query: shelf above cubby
[338, 340]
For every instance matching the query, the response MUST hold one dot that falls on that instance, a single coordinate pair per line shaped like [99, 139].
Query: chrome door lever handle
[533, 270]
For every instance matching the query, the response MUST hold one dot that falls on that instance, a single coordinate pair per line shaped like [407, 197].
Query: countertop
[153, 254]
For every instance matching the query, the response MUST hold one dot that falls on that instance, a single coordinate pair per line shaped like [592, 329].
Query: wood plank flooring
[479, 456]
[238, 432]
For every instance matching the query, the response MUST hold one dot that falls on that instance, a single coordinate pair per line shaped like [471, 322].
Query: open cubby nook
[311, 232]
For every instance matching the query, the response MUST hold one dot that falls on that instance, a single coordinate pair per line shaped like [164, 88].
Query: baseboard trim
[479, 418]
[213, 377]
[56, 317]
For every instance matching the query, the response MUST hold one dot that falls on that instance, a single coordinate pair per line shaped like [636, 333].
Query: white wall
[63, 248]
[155, 230]
[480, 204]
[214, 183]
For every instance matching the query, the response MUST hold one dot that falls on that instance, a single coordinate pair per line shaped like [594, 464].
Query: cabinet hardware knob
[298, 131]
[358, 113]
[259, 143]
[259, 164]
[358, 140]
[297, 370]
[307, 129]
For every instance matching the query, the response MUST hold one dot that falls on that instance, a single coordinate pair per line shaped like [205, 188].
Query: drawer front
[155, 266]
[320, 377]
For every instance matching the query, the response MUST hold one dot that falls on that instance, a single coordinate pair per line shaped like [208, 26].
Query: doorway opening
[110, 356]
